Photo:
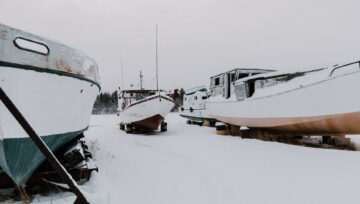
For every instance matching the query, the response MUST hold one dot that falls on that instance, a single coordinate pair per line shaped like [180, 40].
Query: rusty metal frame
[42, 147]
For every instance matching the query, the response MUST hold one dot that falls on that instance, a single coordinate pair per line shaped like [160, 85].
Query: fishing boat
[194, 106]
[144, 109]
[53, 86]
[314, 102]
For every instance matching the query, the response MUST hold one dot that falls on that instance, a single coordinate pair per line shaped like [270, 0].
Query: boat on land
[144, 109]
[194, 106]
[53, 86]
[314, 102]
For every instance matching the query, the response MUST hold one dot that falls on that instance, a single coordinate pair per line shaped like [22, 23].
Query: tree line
[106, 103]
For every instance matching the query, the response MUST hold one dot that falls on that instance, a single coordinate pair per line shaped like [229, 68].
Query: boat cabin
[195, 98]
[223, 84]
[127, 97]
[274, 82]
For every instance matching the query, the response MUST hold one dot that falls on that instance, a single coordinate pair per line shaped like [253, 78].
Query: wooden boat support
[324, 141]
[65, 176]
[139, 129]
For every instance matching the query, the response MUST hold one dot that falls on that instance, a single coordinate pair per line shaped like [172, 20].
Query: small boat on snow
[194, 106]
[144, 109]
[53, 86]
[315, 102]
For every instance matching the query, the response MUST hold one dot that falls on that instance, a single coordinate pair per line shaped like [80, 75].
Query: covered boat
[194, 105]
[53, 86]
[315, 102]
[144, 108]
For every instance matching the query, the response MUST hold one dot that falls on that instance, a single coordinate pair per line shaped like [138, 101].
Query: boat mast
[141, 80]
[122, 74]
[156, 55]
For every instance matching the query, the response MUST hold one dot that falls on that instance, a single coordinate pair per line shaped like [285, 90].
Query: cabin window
[240, 90]
[242, 75]
[185, 98]
[140, 97]
[217, 81]
[251, 88]
[233, 77]
[195, 98]
[131, 94]
[204, 97]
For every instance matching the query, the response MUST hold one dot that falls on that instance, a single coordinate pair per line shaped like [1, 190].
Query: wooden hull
[347, 123]
[151, 123]
[331, 106]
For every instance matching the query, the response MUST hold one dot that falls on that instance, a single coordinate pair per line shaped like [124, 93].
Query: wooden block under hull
[206, 123]
[329, 142]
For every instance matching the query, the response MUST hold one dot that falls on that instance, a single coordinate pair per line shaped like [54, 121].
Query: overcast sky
[197, 38]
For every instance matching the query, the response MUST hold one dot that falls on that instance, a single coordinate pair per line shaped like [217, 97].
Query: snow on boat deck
[191, 164]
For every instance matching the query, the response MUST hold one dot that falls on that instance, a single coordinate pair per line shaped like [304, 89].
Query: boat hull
[197, 115]
[149, 112]
[57, 106]
[331, 106]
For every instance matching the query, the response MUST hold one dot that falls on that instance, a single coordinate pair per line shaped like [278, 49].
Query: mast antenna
[157, 60]
[141, 80]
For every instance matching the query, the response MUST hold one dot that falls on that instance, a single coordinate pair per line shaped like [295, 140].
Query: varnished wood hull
[347, 123]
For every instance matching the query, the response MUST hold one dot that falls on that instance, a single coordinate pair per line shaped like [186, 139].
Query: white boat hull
[149, 112]
[329, 106]
[58, 107]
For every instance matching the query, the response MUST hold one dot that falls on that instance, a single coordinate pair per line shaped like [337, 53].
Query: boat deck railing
[342, 66]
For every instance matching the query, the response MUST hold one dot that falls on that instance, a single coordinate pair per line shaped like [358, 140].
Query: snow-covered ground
[191, 164]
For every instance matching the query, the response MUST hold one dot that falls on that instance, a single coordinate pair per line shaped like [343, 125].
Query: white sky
[197, 38]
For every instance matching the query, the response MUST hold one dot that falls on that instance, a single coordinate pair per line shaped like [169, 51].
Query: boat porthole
[81, 90]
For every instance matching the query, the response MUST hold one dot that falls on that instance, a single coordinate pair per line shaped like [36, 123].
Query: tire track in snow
[209, 178]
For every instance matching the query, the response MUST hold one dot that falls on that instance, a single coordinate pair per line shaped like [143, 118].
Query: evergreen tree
[106, 103]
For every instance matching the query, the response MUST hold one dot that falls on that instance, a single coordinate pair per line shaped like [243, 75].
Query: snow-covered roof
[201, 88]
[245, 70]
[292, 72]
[275, 74]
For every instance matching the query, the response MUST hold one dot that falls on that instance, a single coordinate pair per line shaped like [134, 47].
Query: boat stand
[323, 141]
[65, 176]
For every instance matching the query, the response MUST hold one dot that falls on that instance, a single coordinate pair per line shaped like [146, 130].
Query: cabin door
[227, 85]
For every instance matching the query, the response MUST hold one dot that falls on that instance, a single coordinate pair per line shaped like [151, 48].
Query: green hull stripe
[198, 118]
[50, 71]
[201, 90]
[20, 157]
